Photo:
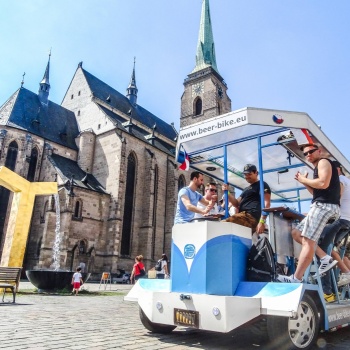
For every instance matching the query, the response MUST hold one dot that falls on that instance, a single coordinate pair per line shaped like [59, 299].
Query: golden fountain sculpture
[24, 193]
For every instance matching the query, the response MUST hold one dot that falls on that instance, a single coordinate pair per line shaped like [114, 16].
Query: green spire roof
[205, 49]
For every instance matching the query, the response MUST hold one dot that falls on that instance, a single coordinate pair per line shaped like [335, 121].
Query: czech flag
[184, 159]
[302, 137]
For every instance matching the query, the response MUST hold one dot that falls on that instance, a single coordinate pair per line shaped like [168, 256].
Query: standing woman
[138, 270]
[164, 271]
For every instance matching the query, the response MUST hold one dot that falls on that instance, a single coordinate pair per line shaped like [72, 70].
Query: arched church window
[32, 165]
[128, 205]
[181, 182]
[154, 216]
[198, 106]
[82, 247]
[10, 163]
[11, 156]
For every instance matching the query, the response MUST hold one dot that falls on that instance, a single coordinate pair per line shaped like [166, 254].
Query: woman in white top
[164, 271]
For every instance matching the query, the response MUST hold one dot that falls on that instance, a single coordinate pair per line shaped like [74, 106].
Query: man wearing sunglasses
[188, 199]
[325, 190]
[210, 191]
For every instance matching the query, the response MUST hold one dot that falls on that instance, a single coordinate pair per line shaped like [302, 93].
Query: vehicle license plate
[186, 318]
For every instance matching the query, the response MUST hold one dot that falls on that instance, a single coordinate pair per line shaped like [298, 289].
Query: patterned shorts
[315, 221]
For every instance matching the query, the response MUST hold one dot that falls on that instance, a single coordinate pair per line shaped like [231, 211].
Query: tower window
[78, 93]
[198, 107]
[99, 126]
[72, 96]
[78, 113]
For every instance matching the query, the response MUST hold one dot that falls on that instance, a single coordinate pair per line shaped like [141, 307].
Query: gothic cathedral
[113, 160]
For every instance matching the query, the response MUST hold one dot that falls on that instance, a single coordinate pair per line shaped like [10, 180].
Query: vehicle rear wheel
[298, 332]
[154, 327]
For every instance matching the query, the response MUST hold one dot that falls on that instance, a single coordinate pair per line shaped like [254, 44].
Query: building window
[181, 183]
[72, 96]
[78, 113]
[32, 165]
[10, 163]
[99, 126]
[198, 106]
[129, 205]
[78, 93]
[11, 157]
[154, 218]
[82, 247]
[78, 209]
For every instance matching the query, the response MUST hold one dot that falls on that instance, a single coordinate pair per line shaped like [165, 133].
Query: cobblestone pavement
[43, 322]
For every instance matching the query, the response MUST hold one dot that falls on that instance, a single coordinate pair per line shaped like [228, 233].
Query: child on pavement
[77, 281]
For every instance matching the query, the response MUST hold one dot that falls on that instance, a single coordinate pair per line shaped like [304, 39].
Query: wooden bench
[9, 279]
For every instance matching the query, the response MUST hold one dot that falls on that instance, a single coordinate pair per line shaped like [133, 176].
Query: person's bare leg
[305, 258]
[346, 261]
[342, 266]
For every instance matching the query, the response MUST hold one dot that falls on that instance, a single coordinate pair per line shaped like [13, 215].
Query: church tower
[205, 94]
[44, 86]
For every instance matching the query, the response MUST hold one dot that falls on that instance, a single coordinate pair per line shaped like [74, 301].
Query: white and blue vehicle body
[208, 287]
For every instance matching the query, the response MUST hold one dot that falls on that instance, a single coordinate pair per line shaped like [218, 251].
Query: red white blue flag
[302, 137]
[184, 159]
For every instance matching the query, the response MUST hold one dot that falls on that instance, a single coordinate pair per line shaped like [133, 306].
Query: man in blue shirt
[188, 199]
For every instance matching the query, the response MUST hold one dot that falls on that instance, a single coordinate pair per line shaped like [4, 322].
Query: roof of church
[139, 132]
[53, 122]
[106, 93]
[67, 168]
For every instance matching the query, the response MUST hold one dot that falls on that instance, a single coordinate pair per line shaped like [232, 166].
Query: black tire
[155, 327]
[299, 332]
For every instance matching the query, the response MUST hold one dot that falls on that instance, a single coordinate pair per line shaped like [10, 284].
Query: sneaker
[329, 298]
[287, 279]
[344, 280]
[326, 264]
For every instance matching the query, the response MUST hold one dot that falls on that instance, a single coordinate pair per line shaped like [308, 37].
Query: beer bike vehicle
[208, 288]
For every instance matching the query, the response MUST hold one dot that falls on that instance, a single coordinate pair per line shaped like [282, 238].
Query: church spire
[205, 56]
[44, 88]
[132, 89]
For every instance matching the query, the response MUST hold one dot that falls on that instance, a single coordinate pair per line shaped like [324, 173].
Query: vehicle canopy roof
[269, 139]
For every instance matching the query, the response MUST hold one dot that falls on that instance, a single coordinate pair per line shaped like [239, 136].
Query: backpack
[261, 266]
[158, 266]
[142, 271]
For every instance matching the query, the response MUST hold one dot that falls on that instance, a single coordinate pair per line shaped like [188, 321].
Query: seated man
[210, 191]
[188, 199]
[249, 203]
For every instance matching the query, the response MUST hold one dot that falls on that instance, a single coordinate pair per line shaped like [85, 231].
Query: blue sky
[289, 55]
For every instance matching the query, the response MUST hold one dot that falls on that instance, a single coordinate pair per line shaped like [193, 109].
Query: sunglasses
[212, 190]
[310, 152]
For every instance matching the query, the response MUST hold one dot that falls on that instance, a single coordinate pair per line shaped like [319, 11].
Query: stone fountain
[24, 193]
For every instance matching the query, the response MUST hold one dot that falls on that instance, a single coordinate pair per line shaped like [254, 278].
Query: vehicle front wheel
[299, 332]
[154, 327]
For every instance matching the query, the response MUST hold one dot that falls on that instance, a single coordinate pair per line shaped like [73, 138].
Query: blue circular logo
[189, 251]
